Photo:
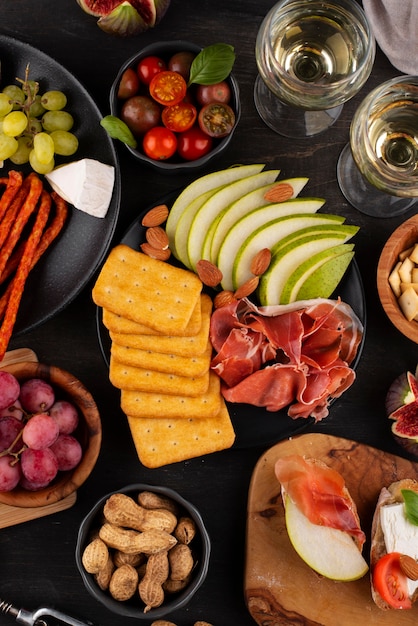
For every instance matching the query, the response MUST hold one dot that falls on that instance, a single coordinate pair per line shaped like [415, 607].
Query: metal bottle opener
[43, 616]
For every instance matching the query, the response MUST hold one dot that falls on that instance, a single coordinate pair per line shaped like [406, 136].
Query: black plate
[74, 257]
[254, 426]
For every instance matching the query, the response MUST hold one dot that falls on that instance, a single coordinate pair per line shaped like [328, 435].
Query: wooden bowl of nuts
[50, 434]
[143, 551]
[397, 278]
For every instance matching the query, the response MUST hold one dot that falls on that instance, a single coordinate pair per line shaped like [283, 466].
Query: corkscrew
[43, 616]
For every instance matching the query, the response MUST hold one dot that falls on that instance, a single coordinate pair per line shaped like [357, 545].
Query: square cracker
[157, 405]
[169, 344]
[163, 441]
[191, 366]
[147, 291]
[139, 379]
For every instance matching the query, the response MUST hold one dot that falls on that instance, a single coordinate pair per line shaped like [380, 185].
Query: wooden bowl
[402, 238]
[88, 433]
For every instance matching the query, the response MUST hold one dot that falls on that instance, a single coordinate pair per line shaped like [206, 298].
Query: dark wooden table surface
[37, 557]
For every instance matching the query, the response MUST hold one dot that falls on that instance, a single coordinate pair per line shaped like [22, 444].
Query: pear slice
[329, 551]
[241, 207]
[237, 269]
[320, 274]
[283, 264]
[203, 184]
[214, 205]
[324, 280]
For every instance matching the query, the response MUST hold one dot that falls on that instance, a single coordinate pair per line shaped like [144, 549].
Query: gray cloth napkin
[395, 27]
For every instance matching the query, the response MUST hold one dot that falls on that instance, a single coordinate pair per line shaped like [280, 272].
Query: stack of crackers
[158, 320]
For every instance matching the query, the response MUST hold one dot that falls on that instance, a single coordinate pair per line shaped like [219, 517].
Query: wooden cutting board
[12, 515]
[280, 589]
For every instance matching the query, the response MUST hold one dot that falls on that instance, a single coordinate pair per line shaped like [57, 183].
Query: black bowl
[201, 547]
[175, 165]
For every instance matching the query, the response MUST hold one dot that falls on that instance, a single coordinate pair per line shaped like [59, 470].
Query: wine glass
[312, 56]
[378, 170]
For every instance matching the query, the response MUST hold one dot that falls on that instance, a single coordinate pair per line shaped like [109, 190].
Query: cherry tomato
[129, 84]
[193, 144]
[220, 92]
[179, 117]
[159, 143]
[168, 88]
[181, 63]
[140, 113]
[148, 67]
[390, 582]
[216, 119]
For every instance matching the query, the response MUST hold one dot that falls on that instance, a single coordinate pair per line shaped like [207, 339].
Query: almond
[155, 253]
[223, 298]
[208, 273]
[260, 262]
[247, 288]
[157, 237]
[279, 193]
[409, 566]
[156, 216]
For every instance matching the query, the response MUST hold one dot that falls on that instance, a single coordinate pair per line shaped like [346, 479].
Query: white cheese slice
[400, 535]
[86, 184]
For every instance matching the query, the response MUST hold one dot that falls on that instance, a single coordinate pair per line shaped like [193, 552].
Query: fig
[402, 408]
[125, 18]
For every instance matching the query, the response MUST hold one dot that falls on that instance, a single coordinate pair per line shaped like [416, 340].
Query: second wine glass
[311, 58]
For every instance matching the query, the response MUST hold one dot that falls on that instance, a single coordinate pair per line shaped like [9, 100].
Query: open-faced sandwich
[321, 518]
[394, 546]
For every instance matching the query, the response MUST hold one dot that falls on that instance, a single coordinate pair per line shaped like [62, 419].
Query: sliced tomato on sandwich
[390, 582]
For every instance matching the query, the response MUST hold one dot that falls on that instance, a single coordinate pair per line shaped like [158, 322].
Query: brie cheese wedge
[86, 184]
[400, 535]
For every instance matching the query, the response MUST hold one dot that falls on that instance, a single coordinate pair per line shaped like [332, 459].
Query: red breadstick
[13, 184]
[22, 272]
[20, 219]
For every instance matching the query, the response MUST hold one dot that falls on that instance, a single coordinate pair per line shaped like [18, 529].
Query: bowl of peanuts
[143, 551]
[397, 278]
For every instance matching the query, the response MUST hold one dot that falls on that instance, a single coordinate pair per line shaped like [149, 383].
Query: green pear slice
[214, 205]
[203, 184]
[329, 551]
[237, 268]
[284, 263]
[319, 276]
[238, 209]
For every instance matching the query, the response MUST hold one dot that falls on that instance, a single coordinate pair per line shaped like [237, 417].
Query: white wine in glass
[312, 56]
[378, 170]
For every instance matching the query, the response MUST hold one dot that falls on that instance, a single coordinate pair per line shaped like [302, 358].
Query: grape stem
[9, 450]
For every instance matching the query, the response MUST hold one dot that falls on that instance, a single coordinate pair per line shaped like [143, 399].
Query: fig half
[402, 408]
[126, 17]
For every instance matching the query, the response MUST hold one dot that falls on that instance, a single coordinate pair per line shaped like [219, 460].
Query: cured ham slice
[320, 494]
[295, 356]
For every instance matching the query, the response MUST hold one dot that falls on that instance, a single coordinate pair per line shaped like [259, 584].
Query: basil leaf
[212, 65]
[411, 505]
[117, 129]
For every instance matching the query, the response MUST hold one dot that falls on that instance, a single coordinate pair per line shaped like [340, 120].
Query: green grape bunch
[34, 126]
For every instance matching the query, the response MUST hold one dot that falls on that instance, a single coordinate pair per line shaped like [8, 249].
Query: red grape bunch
[37, 433]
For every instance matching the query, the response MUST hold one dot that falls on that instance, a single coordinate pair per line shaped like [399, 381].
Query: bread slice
[388, 495]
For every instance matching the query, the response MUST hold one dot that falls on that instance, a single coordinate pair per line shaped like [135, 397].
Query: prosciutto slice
[296, 356]
[320, 494]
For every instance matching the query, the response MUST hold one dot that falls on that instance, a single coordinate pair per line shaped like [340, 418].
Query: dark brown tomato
[141, 113]
[220, 92]
[181, 63]
[129, 84]
[216, 119]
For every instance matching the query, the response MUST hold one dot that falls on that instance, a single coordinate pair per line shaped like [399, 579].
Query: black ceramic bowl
[200, 546]
[175, 164]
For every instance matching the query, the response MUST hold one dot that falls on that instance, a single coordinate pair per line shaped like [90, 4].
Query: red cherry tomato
[193, 144]
[179, 117]
[216, 119]
[159, 143]
[148, 67]
[168, 88]
[390, 582]
[220, 92]
[129, 84]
